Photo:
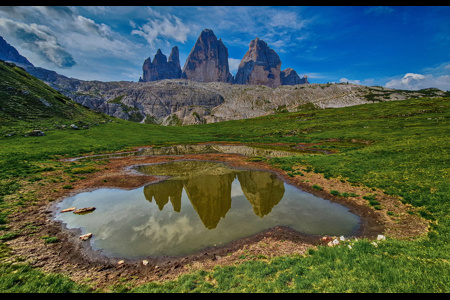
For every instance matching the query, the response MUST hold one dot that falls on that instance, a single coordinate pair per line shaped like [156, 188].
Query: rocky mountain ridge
[208, 62]
[185, 102]
[161, 67]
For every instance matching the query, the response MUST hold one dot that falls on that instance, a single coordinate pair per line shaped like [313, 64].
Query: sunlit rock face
[259, 66]
[208, 60]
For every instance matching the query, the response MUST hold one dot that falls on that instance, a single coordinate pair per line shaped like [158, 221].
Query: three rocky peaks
[208, 62]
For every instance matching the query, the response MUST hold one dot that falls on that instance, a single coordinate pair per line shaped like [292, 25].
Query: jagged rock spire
[208, 60]
[161, 68]
[260, 65]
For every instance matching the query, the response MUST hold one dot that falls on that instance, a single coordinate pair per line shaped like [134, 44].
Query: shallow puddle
[202, 204]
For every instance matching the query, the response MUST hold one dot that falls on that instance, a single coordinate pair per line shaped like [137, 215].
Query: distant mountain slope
[27, 102]
[186, 102]
[9, 53]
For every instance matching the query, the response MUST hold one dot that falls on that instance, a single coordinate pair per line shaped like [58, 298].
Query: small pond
[196, 205]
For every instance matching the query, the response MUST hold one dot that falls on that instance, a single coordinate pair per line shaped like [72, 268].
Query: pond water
[199, 204]
[202, 149]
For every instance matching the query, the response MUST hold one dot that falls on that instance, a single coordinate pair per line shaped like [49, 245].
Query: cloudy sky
[404, 47]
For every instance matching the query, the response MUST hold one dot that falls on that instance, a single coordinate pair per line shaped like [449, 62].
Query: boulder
[84, 210]
[36, 133]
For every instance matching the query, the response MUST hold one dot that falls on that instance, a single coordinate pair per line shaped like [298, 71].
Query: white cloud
[288, 19]
[413, 81]
[162, 26]
[56, 35]
[38, 38]
[343, 79]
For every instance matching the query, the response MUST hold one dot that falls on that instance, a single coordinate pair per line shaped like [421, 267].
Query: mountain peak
[208, 60]
[9, 53]
[260, 65]
[161, 68]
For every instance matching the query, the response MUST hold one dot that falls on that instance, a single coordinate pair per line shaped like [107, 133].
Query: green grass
[363, 268]
[29, 104]
[400, 147]
[21, 278]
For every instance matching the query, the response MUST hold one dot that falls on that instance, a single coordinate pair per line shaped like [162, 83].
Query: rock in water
[85, 237]
[68, 209]
[161, 68]
[84, 210]
[208, 60]
[260, 66]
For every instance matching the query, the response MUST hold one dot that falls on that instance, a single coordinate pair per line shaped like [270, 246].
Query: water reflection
[229, 149]
[201, 204]
[199, 149]
[208, 187]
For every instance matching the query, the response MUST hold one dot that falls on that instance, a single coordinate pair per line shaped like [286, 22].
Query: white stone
[381, 237]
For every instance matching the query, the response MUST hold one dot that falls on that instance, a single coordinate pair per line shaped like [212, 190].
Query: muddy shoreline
[75, 258]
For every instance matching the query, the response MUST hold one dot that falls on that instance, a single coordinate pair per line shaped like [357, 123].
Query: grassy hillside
[401, 147]
[28, 104]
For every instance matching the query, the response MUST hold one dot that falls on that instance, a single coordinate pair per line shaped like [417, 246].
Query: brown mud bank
[74, 257]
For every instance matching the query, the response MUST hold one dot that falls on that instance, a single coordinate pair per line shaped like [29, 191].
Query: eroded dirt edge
[75, 258]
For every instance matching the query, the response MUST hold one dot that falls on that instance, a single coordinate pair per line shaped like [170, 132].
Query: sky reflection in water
[202, 204]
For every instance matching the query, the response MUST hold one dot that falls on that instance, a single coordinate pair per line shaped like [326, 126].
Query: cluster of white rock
[334, 241]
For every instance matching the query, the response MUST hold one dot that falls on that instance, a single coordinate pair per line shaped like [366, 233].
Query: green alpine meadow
[399, 148]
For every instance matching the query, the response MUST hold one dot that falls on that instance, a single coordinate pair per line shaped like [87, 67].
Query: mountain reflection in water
[208, 187]
[198, 204]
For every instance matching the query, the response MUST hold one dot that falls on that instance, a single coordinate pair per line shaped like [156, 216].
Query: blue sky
[403, 47]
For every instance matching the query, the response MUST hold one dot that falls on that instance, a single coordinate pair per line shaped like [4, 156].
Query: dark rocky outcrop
[208, 60]
[9, 53]
[290, 77]
[161, 68]
[259, 66]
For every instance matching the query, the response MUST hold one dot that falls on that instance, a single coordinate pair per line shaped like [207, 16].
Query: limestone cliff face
[161, 68]
[147, 101]
[259, 66]
[186, 102]
[208, 60]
